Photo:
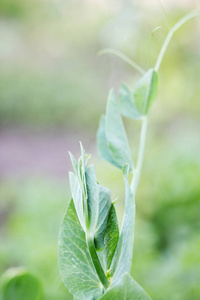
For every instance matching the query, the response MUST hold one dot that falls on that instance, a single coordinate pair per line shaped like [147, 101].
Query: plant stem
[96, 262]
[137, 173]
[171, 32]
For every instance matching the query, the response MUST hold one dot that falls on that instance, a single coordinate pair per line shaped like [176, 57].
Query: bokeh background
[53, 90]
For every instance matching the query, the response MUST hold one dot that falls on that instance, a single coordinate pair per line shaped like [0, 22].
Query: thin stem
[182, 21]
[137, 172]
[123, 57]
[96, 262]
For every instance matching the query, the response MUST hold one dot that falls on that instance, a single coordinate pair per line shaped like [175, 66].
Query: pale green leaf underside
[111, 136]
[126, 289]
[135, 103]
[116, 134]
[77, 196]
[145, 91]
[102, 143]
[122, 259]
[74, 163]
[126, 103]
[75, 264]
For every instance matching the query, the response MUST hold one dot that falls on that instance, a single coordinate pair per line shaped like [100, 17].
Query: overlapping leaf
[92, 197]
[127, 289]
[104, 208]
[111, 236]
[122, 259]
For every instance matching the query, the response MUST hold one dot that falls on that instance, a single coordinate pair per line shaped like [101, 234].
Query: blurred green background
[53, 90]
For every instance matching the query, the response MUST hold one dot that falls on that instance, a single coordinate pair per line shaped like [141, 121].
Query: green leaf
[77, 197]
[18, 284]
[116, 134]
[76, 267]
[145, 91]
[127, 289]
[102, 143]
[126, 103]
[104, 208]
[74, 163]
[111, 236]
[122, 259]
[135, 104]
[92, 197]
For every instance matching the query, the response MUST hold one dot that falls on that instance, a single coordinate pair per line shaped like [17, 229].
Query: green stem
[182, 21]
[137, 172]
[96, 262]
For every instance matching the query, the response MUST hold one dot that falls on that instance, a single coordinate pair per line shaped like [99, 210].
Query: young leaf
[116, 134]
[145, 91]
[76, 267]
[92, 197]
[18, 284]
[126, 103]
[122, 259]
[127, 289]
[74, 163]
[102, 143]
[104, 208]
[111, 236]
[77, 197]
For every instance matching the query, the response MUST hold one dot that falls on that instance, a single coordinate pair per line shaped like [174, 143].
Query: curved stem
[137, 173]
[96, 262]
[182, 21]
[123, 57]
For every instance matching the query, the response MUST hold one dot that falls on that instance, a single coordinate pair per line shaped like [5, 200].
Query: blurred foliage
[12, 8]
[51, 76]
[19, 284]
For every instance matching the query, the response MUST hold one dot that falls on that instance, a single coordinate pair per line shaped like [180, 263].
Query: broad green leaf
[102, 143]
[126, 289]
[18, 284]
[75, 264]
[104, 208]
[145, 91]
[122, 259]
[116, 134]
[92, 197]
[126, 103]
[77, 197]
[111, 236]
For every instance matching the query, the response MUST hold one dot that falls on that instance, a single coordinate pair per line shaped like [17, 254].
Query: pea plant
[94, 254]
